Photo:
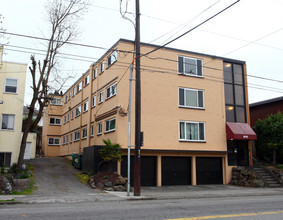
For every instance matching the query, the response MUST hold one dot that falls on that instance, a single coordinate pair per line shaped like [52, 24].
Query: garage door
[148, 170]
[209, 170]
[176, 171]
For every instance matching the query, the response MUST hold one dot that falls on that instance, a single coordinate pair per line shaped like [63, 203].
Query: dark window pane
[229, 96]
[11, 89]
[181, 96]
[200, 98]
[199, 66]
[230, 117]
[180, 65]
[240, 114]
[228, 72]
[238, 74]
[201, 131]
[239, 93]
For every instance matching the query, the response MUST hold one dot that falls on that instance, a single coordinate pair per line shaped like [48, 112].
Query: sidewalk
[153, 193]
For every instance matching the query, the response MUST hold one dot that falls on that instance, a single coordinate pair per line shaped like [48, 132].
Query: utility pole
[137, 166]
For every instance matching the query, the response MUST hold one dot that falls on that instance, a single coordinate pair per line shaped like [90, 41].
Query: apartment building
[194, 114]
[12, 90]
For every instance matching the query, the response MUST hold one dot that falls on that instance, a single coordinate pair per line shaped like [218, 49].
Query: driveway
[56, 176]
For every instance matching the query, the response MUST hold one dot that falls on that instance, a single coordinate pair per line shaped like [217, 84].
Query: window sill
[192, 75]
[106, 132]
[92, 136]
[192, 141]
[9, 130]
[84, 138]
[54, 125]
[99, 134]
[56, 145]
[189, 107]
[11, 93]
[76, 140]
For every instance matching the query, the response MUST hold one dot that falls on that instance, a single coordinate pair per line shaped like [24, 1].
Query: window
[111, 91]
[87, 80]
[66, 98]
[11, 85]
[84, 133]
[68, 117]
[78, 110]
[65, 119]
[55, 121]
[79, 87]
[110, 125]
[56, 101]
[102, 67]
[100, 97]
[70, 93]
[67, 139]
[73, 114]
[94, 73]
[99, 130]
[8, 122]
[191, 98]
[191, 131]
[77, 135]
[234, 92]
[85, 106]
[53, 141]
[92, 131]
[112, 58]
[5, 159]
[93, 104]
[74, 91]
[63, 140]
[189, 66]
[71, 137]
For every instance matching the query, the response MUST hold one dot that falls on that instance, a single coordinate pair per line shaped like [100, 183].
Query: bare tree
[62, 17]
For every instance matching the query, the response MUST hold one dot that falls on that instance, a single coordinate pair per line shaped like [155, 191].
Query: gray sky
[252, 30]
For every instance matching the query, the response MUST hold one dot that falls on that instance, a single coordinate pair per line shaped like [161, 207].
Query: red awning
[239, 131]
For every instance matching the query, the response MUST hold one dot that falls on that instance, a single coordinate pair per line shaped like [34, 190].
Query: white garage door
[27, 155]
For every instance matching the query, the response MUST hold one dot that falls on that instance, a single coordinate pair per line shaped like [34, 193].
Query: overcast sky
[251, 30]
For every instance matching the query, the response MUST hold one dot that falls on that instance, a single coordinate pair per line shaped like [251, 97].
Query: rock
[109, 189]
[108, 184]
[120, 188]
[120, 181]
[5, 186]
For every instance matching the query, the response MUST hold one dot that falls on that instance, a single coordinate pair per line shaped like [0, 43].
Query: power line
[164, 45]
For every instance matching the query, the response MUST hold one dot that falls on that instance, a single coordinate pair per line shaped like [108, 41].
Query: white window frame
[55, 121]
[85, 106]
[65, 119]
[67, 139]
[54, 141]
[74, 91]
[70, 94]
[77, 136]
[55, 101]
[196, 66]
[86, 80]
[78, 113]
[99, 128]
[100, 97]
[73, 114]
[64, 140]
[84, 133]
[111, 91]
[91, 131]
[17, 86]
[186, 105]
[93, 100]
[185, 127]
[102, 67]
[66, 98]
[8, 128]
[112, 58]
[107, 127]
[68, 117]
[79, 87]
[94, 76]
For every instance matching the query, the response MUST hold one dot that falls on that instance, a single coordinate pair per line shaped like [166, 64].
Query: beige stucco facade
[161, 113]
[12, 106]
